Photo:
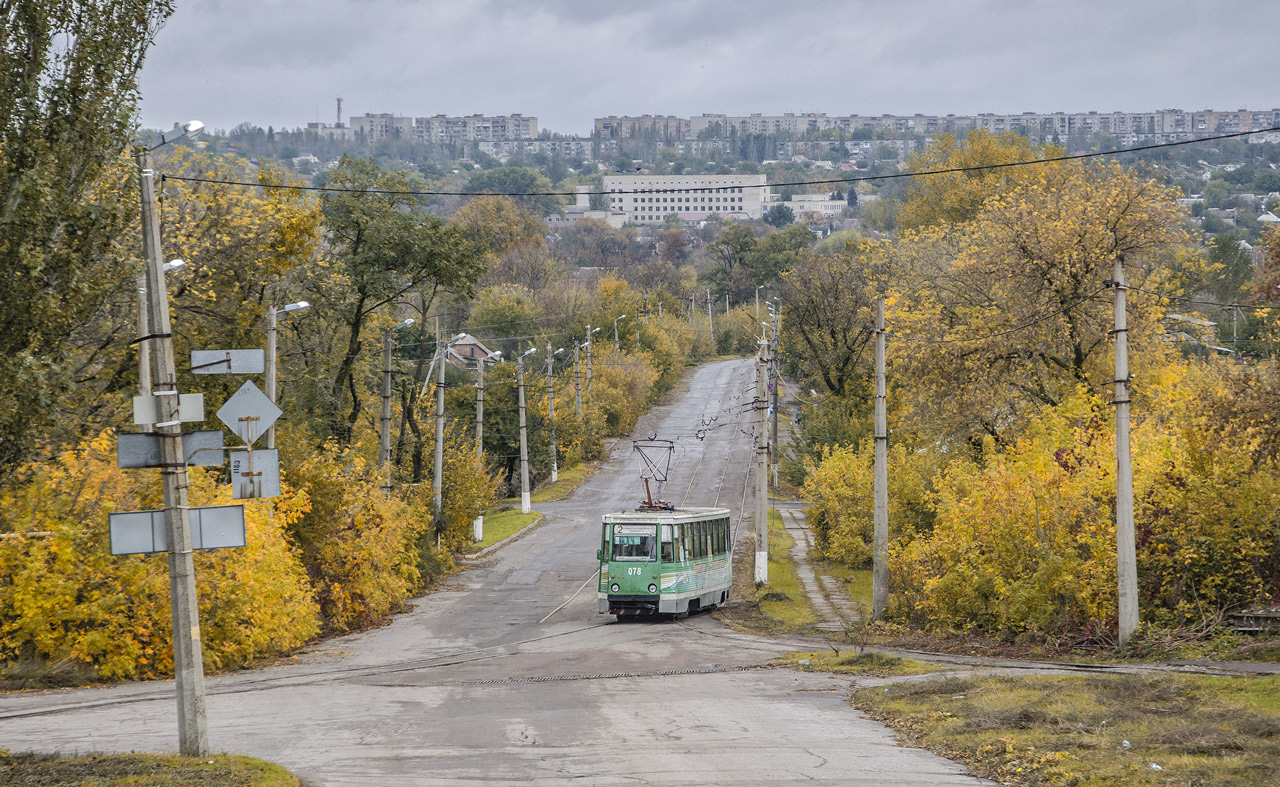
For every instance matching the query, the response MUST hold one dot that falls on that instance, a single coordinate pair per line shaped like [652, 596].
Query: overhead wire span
[1022, 327]
[822, 182]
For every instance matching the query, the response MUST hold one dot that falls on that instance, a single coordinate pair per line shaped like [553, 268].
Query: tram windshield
[635, 542]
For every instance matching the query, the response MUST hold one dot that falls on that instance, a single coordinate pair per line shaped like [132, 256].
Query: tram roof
[667, 517]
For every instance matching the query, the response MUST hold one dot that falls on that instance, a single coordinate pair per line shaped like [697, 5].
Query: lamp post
[758, 289]
[524, 442]
[478, 525]
[384, 442]
[551, 407]
[272, 314]
[188, 665]
[577, 379]
[615, 332]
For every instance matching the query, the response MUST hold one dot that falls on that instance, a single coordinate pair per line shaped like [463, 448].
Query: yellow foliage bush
[64, 596]
[359, 545]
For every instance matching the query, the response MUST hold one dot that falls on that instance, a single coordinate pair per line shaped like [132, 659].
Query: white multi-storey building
[649, 199]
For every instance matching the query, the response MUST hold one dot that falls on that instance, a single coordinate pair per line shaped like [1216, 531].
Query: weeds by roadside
[1103, 729]
[141, 770]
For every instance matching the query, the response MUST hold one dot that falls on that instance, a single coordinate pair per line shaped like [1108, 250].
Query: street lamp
[524, 443]
[590, 332]
[615, 331]
[272, 314]
[191, 129]
[758, 289]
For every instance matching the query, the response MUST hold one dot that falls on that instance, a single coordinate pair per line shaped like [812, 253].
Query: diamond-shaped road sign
[143, 450]
[143, 532]
[255, 474]
[227, 361]
[249, 413]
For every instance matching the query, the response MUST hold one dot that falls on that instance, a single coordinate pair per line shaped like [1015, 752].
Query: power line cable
[1022, 327]
[824, 182]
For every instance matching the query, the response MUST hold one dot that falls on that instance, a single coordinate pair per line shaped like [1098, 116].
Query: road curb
[513, 537]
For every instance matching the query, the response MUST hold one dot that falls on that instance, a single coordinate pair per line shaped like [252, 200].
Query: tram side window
[668, 552]
[702, 539]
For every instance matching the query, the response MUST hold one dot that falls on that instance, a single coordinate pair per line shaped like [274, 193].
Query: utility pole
[551, 410]
[384, 442]
[775, 379]
[188, 663]
[1126, 549]
[577, 381]
[762, 463]
[478, 526]
[880, 520]
[144, 347]
[589, 332]
[437, 468]
[270, 359]
[524, 442]
[711, 327]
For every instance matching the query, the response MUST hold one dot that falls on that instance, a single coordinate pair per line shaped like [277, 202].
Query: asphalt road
[497, 680]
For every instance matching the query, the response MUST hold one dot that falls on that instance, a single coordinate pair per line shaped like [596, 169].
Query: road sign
[249, 413]
[227, 361]
[146, 409]
[143, 532]
[143, 450]
[255, 474]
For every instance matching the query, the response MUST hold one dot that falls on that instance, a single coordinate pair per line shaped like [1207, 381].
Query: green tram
[660, 560]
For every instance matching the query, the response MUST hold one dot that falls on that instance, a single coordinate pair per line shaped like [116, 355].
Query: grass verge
[141, 770]
[1094, 730]
[502, 524]
[857, 581]
[566, 482]
[778, 606]
[880, 665]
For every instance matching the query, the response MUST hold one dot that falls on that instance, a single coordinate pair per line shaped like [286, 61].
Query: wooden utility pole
[762, 466]
[188, 663]
[880, 513]
[1126, 549]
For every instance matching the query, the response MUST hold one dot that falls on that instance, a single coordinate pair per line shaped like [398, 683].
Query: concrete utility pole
[384, 438]
[880, 514]
[762, 465]
[551, 408]
[525, 506]
[1126, 549]
[616, 346]
[775, 379]
[188, 663]
[577, 380]
[437, 474]
[711, 326]
[758, 302]
[478, 525]
[590, 331]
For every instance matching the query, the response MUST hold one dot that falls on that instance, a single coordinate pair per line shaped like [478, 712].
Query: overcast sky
[283, 62]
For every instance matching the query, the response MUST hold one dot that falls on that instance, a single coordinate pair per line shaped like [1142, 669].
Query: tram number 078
[634, 571]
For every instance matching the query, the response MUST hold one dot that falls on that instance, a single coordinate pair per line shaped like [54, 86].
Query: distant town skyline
[284, 63]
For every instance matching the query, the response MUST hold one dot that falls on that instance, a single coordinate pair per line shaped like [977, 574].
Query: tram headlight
[653, 588]
[614, 587]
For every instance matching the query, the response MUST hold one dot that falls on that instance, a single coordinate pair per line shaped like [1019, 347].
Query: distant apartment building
[475, 128]
[1168, 125]
[667, 128]
[649, 199]
[372, 127]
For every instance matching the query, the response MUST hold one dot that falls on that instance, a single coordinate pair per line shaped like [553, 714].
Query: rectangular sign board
[227, 361]
[255, 474]
[143, 450]
[146, 409]
[144, 532]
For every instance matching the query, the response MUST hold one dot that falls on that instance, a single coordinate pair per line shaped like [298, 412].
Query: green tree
[779, 216]
[517, 180]
[68, 97]
[382, 245]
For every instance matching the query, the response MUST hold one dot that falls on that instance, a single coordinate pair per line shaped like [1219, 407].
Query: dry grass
[859, 663]
[141, 770]
[1095, 730]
